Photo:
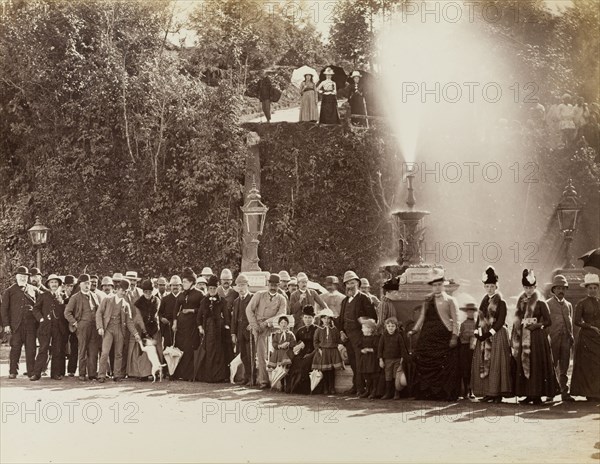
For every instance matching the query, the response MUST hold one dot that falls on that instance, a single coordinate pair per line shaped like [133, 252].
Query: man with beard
[561, 332]
[284, 280]
[264, 305]
[161, 288]
[81, 314]
[355, 307]
[302, 297]
[333, 298]
[35, 279]
[49, 310]
[108, 286]
[18, 320]
[167, 310]
[225, 290]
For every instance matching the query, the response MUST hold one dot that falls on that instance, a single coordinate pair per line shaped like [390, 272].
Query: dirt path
[71, 421]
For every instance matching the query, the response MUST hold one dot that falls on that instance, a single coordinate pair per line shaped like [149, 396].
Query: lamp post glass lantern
[568, 214]
[255, 213]
[39, 237]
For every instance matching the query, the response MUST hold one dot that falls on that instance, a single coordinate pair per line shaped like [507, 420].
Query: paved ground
[67, 421]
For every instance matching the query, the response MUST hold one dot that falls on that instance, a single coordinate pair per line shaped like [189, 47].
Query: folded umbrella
[172, 355]
[591, 258]
[315, 378]
[298, 75]
[277, 374]
[234, 367]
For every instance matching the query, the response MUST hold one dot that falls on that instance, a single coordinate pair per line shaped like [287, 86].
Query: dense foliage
[130, 162]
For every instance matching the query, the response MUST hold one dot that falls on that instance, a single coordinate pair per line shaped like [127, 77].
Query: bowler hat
[54, 277]
[213, 281]
[274, 279]
[69, 280]
[83, 278]
[36, 271]
[147, 285]
[22, 270]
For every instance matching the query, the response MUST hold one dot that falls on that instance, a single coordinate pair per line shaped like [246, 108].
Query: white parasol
[298, 75]
[172, 355]
[315, 378]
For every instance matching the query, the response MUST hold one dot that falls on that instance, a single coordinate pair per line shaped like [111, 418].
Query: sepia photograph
[304, 231]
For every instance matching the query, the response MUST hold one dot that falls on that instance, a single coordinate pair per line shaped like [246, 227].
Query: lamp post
[568, 213]
[39, 236]
[255, 213]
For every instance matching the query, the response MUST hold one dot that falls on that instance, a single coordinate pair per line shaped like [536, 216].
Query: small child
[283, 341]
[467, 347]
[327, 354]
[368, 366]
[392, 354]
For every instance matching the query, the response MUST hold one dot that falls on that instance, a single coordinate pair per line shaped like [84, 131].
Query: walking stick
[252, 358]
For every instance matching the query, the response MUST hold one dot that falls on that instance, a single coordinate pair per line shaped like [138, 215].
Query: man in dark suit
[49, 311]
[240, 329]
[18, 320]
[355, 306]
[81, 314]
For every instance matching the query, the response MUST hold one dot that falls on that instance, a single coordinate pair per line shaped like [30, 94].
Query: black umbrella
[339, 76]
[591, 258]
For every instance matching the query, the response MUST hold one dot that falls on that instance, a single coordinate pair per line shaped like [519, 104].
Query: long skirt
[586, 365]
[298, 375]
[216, 352]
[308, 106]
[329, 110]
[358, 106]
[499, 380]
[542, 379]
[438, 375]
[138, 364]
[187, 340]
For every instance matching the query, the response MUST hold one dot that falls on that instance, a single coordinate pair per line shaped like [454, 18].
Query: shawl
[486, 318]
[520, 337]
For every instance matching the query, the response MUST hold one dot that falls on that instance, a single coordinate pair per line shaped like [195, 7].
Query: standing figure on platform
[263, 306]
[535, 376]
[308, 100]
[329, 110]
[355, 307]
[436, 353]
[357, 100]
[49, 311]
[491, 372]
[185, 327]
[240, 329]
[586, 364]
[561, 332]
[19, 321]
[214, 324]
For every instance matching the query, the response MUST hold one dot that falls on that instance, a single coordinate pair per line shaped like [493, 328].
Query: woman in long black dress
[357, 100]
[187, 338]
[327, 88]
[436, 353]
[536, 376]
[304, 351]
[214, 325]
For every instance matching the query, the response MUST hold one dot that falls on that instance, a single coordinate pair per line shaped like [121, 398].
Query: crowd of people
[99, 329]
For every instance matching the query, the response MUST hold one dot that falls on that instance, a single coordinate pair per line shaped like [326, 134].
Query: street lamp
[39, 236]
[568, 213]
[255, 213]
